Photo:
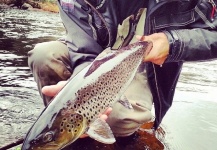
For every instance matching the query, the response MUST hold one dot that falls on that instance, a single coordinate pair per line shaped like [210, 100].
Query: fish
[75, 109]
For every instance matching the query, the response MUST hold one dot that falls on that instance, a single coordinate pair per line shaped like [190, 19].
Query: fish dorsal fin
[100, 131]
[103, 57]
[124, 101]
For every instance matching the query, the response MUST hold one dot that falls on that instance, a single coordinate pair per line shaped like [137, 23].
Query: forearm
[192, 45]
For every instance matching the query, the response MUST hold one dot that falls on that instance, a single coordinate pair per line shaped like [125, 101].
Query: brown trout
[75, 109]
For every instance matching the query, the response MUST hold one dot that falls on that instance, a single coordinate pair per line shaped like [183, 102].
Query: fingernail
[66, 74]
[142, 38]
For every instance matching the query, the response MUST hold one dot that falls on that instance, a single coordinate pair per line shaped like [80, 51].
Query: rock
[13, 3]
[19, 3]
[33, 4]
[30, 5]
[26, 6]
[4, 6]
[7, 2]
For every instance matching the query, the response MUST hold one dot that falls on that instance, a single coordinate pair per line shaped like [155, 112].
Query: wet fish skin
[75, 109]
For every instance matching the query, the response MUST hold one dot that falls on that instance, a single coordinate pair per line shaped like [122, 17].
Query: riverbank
[50, 6]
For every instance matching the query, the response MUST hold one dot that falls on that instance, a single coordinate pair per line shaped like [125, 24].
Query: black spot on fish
[61, 130]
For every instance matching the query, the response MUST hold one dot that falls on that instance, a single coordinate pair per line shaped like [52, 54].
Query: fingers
[83, 136]
[108, 111]
[52, 90]
[146, 56]
[160, 50]
[103, 116]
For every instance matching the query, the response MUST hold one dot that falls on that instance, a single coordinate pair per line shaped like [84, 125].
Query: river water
[190, 124]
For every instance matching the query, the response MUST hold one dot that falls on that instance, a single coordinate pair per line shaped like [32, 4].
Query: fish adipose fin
[100, 131]
[124, 101]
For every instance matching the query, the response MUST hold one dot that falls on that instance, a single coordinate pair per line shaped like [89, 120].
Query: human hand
[160, 49]
[52, 90]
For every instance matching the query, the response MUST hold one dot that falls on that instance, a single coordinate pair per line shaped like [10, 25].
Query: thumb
[52, 90]
[146, 57]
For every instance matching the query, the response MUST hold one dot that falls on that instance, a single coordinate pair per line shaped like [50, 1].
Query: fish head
[62, 130]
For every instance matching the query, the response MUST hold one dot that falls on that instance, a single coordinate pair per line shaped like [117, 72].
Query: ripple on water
[19, 108]
[20, 103]
[191, 122]
[200, 73]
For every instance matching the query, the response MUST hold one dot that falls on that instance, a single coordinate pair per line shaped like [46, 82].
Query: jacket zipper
[103, 20]
[147, 26]
[158, 93]
[213, 9]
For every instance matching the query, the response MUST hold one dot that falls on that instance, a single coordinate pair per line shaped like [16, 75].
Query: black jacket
[190, 25]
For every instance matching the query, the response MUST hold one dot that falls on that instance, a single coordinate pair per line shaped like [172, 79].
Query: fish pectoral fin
[100, 131]
[124, 101]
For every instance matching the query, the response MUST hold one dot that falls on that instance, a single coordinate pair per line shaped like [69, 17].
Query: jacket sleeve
[192, 44]
[83, 48]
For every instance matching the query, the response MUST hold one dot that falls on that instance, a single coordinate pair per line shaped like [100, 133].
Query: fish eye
[48, 137]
